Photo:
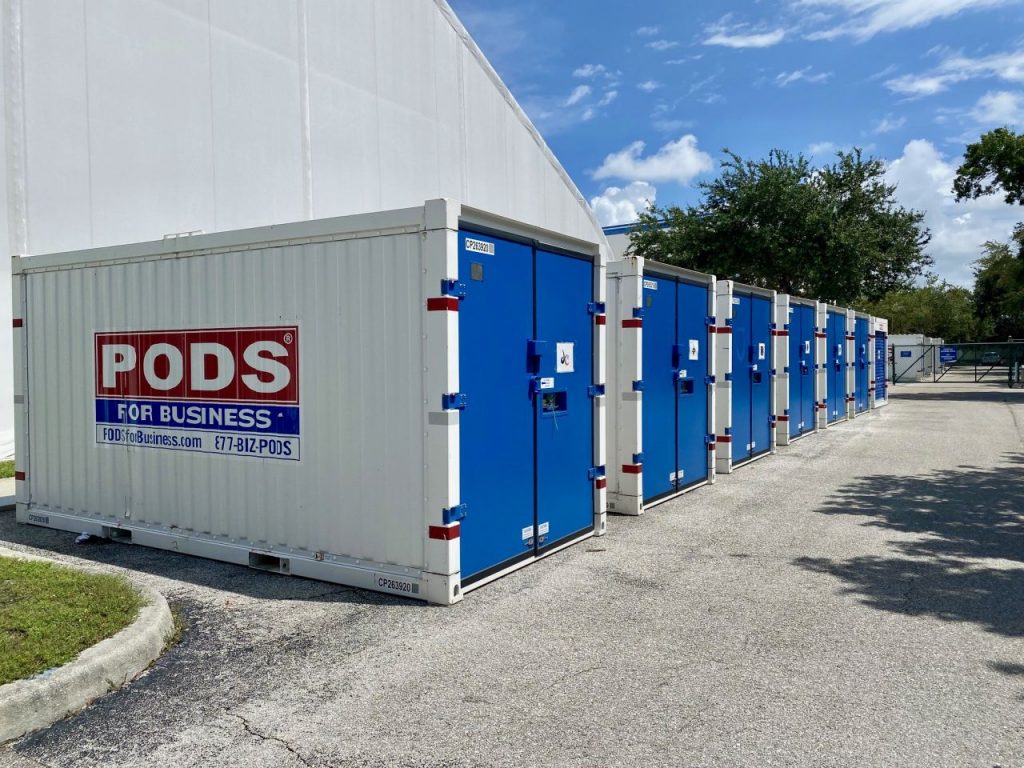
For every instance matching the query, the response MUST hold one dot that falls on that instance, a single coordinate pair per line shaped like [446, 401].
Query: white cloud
[679, 161]
[648, 86]
[889, 124]
[822, 148]
[662, 45]
[999, 108]
[786, 78]
[924, 181]
[867, 18]
[623, 205]
[588, 114]
[590, 70]
[724, 32]
[579, 93]
[957, 68]
[608, 98]
[671, 126]
[648, 31]
[686, 59]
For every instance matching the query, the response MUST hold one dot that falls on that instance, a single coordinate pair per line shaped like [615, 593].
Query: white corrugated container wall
[378, 464]
[625, 366]
[851, 364]
[125, 121]
[821, 391]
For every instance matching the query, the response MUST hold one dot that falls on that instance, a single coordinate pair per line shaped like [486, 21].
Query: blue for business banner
[221, 417]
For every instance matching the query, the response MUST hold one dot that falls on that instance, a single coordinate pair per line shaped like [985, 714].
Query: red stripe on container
[18, 322]
[19, 475]
[601, 482]
[712, 329]
[443, 304]
[821, 335]
[444, 533]
[780, 333]
[601, 319]
[632, 469]
[711, 446]
[633, 322]
[783, 418]
[724, 329]
[724, 438]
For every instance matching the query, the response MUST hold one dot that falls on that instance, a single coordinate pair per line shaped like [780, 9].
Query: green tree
[992, 164]
[935, 309]
[999, 289]
[834, 233]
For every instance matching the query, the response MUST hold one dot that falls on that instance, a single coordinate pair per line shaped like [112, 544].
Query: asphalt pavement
[855, 600]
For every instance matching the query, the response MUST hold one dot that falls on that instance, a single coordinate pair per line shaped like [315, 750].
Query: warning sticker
[651, 285]
[564, 357]
[694, 349]
[761, 351]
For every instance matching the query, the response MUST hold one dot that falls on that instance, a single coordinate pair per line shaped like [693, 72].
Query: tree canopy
[935, 309]
[833, 233]
[994, 163]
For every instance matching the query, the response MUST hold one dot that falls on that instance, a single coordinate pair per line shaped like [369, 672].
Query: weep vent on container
[406, 401]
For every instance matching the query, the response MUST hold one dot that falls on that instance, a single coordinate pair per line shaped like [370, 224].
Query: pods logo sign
[225, 390]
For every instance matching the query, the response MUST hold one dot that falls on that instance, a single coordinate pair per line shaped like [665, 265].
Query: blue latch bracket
[454, 288]
[595, 390]
[454, 401]
[638, 386]
[454, 514]
[596, 308]
[595, 472]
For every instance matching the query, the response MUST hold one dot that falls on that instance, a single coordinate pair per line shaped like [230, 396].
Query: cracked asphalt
[855, 600]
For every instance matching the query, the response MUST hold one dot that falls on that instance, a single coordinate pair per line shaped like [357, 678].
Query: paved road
[856, 600]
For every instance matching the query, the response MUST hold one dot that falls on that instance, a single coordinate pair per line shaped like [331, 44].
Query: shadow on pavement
[192, 570]
[961, 516]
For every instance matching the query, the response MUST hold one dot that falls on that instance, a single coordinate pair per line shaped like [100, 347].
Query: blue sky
[638, 100]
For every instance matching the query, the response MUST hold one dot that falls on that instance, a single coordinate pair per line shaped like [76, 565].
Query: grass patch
[49, 614]
[6, 469]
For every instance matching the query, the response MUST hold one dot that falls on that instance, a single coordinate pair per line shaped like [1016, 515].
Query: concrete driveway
[856, 600]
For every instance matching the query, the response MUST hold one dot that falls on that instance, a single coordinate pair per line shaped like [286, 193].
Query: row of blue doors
[676, 371]
[527, 425]
[802, 364]
[751, 375]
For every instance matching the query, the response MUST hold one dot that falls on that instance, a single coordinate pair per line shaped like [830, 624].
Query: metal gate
[525, 369]
[969, 363]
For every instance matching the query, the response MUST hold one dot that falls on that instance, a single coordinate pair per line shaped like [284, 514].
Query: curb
[28, 705]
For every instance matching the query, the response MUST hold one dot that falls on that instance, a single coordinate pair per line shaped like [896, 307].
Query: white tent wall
[143, 118]
[8, 242]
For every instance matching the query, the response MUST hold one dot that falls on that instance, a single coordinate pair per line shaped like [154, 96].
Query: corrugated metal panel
[358, 303]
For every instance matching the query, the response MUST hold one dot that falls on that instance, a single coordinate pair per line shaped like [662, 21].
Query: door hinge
[595, 472]
[595, 390]
[638, 458]
[454, 401]
[454, 514]
[710, 439]
[638, 312]
[710, 320]
[709, 379]
[596, 308]
[638, 386]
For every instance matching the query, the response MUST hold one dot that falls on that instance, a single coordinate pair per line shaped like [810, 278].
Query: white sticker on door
[761, 351]
[807, 347]
[547, 383]
[694, 349]
[527, 532]
[563, 357]
[651, 285]
[543, 528]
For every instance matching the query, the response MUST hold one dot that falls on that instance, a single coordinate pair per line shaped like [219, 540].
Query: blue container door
[564, 411]
[880, 364]
[690, 364]
[760, 375]
[659, 377]
[808, 363]
[863, 361]
[742, 376]
[796, 362]
[836, 366]
[497, 426]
